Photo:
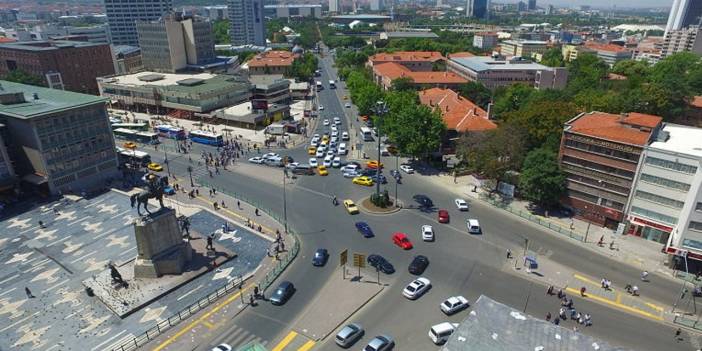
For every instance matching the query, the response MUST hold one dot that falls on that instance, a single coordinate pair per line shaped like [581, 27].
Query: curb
[376, 213]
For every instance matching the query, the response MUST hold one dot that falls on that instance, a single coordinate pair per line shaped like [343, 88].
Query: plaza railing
[693, 323]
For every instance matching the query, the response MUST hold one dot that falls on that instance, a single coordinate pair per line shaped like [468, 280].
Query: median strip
[615, 304]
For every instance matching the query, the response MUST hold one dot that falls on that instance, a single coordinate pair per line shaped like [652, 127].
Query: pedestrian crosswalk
[239, 338]
[294, 341]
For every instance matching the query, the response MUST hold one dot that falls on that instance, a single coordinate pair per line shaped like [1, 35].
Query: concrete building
[94, 34]
[61, 141]
[377, 5]
[599, 154]
[407, 35]
[174, 42]
[609, 53]
[68, 65]
[248, 26]
[385, 73]
[684, 13]
[122, 16]
[293, 10]
[8, 178]
[334, 6]
[497, 71]
[271, 62]
[485, 40]
[269, 91]
[215, 13]
[246, 115]
[523, 48]
[127, 59]
[477, 9]
[681, 40]
[417, 61]
[532, 5]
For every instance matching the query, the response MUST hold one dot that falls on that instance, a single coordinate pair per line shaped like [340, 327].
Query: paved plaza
[44, 306]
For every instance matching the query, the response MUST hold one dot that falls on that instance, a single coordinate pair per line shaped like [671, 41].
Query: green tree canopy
[220, 28]
[20, 76]
[477, 93]
[541, 180]
[553, 58]
[415, 129]
[403, 83]
[585, 72]
[493, 153]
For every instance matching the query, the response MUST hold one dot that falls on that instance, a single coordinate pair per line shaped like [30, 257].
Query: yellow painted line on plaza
[286, 340]
[654, 306]
[202, 319]
[607, 301]
[208, 324]
[619, 298]
[308, 345]
[242, 218]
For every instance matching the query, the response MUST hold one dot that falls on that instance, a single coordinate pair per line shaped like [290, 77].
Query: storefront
[649, 230]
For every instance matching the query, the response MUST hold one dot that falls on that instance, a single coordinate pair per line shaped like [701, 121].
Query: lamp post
[380, 109]
[397, 179]
[285, 201]
[165, 157]
[190, 172]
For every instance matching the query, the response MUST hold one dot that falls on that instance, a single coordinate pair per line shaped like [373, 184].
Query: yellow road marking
[242, 218]
[615, 304]
[208, 324]
[619, 297]
[655, 307]
[286, 340]
[588, 280]
[203, 318]
[308, 345]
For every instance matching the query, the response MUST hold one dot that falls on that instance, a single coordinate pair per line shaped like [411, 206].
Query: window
[696, 226]
[672, 165]
[698, 207]
[659, 199]
[665, 182]
[654, 215]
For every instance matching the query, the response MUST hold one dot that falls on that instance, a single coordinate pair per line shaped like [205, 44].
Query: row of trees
[303, 68]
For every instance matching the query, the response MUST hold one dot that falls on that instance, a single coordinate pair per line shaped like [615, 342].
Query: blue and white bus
[169, 131]
[205, 137]
[135, 135]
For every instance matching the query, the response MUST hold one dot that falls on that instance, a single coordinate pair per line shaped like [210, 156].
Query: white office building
[684, 13]
[248, 26]
[123, 14]
[335, 6]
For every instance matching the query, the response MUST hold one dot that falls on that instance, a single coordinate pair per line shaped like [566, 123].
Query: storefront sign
[648, 223]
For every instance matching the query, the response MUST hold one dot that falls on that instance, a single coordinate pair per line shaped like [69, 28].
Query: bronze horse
[156, 187]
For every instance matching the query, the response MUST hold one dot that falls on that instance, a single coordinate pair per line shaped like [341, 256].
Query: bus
[205, 137]
[169, 131]
[319, 85]
[140, 158]
[366, 134]
[134, 126]
[332, 85]
[135, 135]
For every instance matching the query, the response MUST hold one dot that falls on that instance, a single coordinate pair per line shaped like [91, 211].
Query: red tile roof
[458, 113]
[392, 70]
[273, 58]
[696, 102]
[7, 40]
[633, 128]
[604, 47]
[461, 54]
[407, 56]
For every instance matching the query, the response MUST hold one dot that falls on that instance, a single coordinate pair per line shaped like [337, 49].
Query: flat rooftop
[486, 63]
[681, 139]
[47, 45]
[292, 6]
[47, 100]
[149, 78]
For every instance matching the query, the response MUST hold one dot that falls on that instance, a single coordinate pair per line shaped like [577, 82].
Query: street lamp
[165, 156]
[285, 201]
[190, 172]
[380, 109]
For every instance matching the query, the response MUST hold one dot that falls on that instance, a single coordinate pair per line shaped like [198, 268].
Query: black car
[381, 264]
[367, 172]
[418, 264]
[320, 257]
[282, 293]
[423, 200]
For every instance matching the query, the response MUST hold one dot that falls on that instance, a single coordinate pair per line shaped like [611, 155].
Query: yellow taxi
[154, 167]
[374, 164]
[311, 150]
[324, 142]
[350, 207]
[346, 97]
[130, 145]
[325, 139]
[363, 180]
[322, 170]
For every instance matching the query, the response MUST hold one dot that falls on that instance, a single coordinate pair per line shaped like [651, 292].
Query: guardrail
[693, 323]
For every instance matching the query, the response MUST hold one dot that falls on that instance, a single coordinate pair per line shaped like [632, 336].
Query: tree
[415, 129]
[220, 29]
[512, 98]
[541, 180]
[20, 76]
[541, 119]
[553, 58]
[477, 93]
[303, 68]
[493, 153]
[402, 84]
[586, 72]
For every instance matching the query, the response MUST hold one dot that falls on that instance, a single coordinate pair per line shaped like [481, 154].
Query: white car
[336, 162]
[222, 347]
[334, 128]
[337, 120]
[351, 174]
[335, 133]
[326, 122]
[313, 162]
[331, 152]
[334, 140]
[454, 304]
[427, 233]
[270, 155]
[407, 168]
[416, 288]
[314, 142]
[320, 153]
[348, 105]
[316, 136]
[349, 168]
[256, 160]
[461, 204]
[327, 161]
[345, 136]
[342, 149]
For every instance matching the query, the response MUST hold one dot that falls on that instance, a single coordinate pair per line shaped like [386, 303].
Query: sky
[609, 3]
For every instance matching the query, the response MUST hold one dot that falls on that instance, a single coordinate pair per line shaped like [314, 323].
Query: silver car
[348, 335]
[380, 343]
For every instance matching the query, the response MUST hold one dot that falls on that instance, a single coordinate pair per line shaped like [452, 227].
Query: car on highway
[380, 343]
[336, 162]
[454, 304]
[363, 180]
[320, 258]
[222, 347]
[401, 240]
[334, 133]
[325, 122]
[154, 167]
[364, 229]
[407, 168]
[347, 105]
[327, 161]
[427, 233]
[441, 332]
[282, 293]
[461, 204]
[379, 178]
[348, 335]
[443, 216]
[320, 152]
[345, 136]
[313, 162]
[322, 170]
[423, 201]
[314, 143]
[325, 138]
[416, 288]
[374, 164]
[380, 263]
[350, 174]
[418, 265]
[337, 120]
[311, 150]
[342, 149]
[350, 207]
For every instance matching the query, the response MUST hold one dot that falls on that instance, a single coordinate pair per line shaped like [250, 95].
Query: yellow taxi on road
[130, 145]
[374, 164]
[363, 180]
[325, 139]
[350, 207]
[154, 167]
[322, 170]
[311, 150]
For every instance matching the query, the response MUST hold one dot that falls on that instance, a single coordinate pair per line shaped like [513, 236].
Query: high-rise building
[532, 5]
[334, 6]
[248, 26]
[549, 10]
[174, 42]
[684, 13]
[123, 14]
[522, 6]
[376, 5]
[679, 40]
[477, 8]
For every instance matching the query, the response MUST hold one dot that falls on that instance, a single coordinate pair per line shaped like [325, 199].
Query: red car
[401, 240]
[443, 216]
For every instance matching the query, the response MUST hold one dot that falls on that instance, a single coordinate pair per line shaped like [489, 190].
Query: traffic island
[367, 206]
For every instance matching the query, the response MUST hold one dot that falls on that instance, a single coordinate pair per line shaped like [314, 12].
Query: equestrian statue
[155, 189]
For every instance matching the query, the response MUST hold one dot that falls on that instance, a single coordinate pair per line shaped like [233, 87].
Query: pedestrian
[582, 291]
[548, 317]
[209, 243]
[28, 292]
[603, 282]
[644, 276]
[509, 254]
[549, 291]
[197, 192]
[588, 320]
[56, 211]
[223, 206]
[256, 211]
[41, 225]
[556, 321]
[677, 334]
[634, 290]
[697, 275]
[601, 242]
[214, 191]
[561, 295]
[251, 300]
[562, 313]
[210, 192]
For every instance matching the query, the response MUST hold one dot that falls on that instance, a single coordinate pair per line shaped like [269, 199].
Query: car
[331, 152]
[345, 136]
[396, 174]
[313, 144]
[129, 145]
[316, 136]
[380, 343]
[346, 97]
[303, 169]
[473, 226]
[350, 174]
[374, 164]
[336, 162]
[350, 206]
[363, 180]
[347, 105]
[154, 167]
[418, 265]
[325, 138]
[292, 165]
[416, 288]
[321, 107]
[312, 150]
[320, 257]
[401, 240]
[349, 167]
[327, 161]
[367, 172]
[407, 168]
[454, 304]
[364, 229]
[169, 190]
[222, 347]
[427, 233]
[322, 170]
[441, 332]
[313, 162]
[334, 133]
[320, 152]
[334, 129]
[270, 155]
[423, 200]
[342, 149]
[443, 216]
[337, 120]
[348, 335]
[380, 263]
[461, 204]
[282, 293]
[326, 122]
[379, 178]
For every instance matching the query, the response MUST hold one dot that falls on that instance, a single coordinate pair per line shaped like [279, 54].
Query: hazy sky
[609, 3]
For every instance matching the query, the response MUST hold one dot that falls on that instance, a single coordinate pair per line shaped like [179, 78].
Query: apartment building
[599, 154]
[122, 16]
[497, 71]
[523, 48]
[417, 61]
[247, 24]
[681, 40]
[609, 53]
[485, 40]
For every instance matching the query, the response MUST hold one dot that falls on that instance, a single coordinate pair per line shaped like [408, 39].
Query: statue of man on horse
[156, 186]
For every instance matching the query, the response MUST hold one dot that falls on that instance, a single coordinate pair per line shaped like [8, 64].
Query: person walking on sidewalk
[644, 276]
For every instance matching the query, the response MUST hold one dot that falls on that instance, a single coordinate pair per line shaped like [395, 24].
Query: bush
[382, 200]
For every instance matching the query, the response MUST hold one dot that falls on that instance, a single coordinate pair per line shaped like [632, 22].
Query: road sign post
[343, 258]
[359, 260]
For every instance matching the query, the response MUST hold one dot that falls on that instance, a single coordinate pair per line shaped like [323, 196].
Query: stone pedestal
[160, 246]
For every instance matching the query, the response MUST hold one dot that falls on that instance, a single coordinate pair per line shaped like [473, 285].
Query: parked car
[282, 293]
[348, 335]
[320, 257]
[256, 160]
[380, 263]
[418, 264]
[364, 229]
[401, 240]
[454, 304]
[416, 288]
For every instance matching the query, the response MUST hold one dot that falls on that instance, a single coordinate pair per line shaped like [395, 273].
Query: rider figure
[334, 201]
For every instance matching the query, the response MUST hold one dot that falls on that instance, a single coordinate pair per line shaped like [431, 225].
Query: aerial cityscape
[248, 175]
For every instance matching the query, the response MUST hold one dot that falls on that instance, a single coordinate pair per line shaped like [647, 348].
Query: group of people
[567, 310]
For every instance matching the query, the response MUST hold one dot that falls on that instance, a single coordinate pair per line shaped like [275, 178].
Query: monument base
[160, 245]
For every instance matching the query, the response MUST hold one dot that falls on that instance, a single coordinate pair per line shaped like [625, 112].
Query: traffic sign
[359, 260]
[343, 257]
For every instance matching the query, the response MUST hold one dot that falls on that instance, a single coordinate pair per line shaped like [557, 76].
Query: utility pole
[285, 201]
[165, 156]
[397, 179]
[190, 172]
[380, 109]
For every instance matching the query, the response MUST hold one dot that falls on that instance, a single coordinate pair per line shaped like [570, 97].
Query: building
[68, 65]
[549, 10]
[334, 6]
[385, 73]
[93, 34]
[246, 115]
[60, 141]
[599, 154]
[523, 48]
[271, 62]
[248, 26]
[680, 40]
[8, 178]
[522, 6]
[174, 42]
[485, 40]
[497, 71]
[532, 5]
[122, 16]
[407, 35]
[684, 13]
[293, 10]
[377, 5]
[609, 53]
[269, 91]
[413, 60]
[215, 13]
[477, 9]
[127, 59]
[172, 93]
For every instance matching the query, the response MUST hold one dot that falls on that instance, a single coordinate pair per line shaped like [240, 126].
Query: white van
[473, 226]
[440, 333]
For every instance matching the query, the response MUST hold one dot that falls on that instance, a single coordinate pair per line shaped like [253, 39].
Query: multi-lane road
[460, 263]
